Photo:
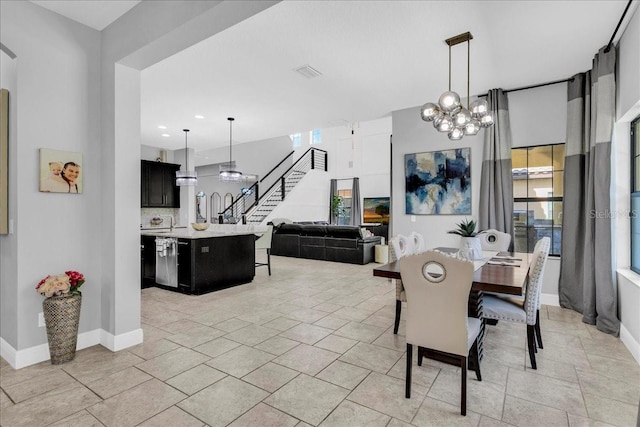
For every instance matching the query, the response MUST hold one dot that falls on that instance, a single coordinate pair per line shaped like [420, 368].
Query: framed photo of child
[60, 171]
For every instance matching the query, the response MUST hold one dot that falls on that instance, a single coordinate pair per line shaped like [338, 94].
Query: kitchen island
[197, 262]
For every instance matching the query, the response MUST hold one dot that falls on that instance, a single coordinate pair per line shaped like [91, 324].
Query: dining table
[497, 272]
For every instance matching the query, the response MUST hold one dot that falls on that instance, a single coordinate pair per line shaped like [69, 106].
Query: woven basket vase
[62, 315]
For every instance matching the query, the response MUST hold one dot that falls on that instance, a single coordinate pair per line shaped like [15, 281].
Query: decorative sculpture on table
[470, 247]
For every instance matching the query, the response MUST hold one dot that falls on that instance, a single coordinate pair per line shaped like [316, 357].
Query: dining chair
[400, 246]
[494, 240]
[437, 287]
[525, 310]
[264, 242]
[418, 242]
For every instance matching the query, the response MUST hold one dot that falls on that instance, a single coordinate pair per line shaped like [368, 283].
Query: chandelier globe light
[186, 177]
[228, 170]
[449, 115]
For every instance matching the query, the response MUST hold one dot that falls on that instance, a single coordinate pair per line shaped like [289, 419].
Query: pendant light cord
[449, 68]
[468, 69]
[186, 153]
[231, 119]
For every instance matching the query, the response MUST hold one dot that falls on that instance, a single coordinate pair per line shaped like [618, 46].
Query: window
[315, 137]
[538, 179]
[295, 139]
[344, 214]
[634, 215]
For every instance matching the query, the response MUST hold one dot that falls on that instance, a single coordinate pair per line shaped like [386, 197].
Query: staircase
[252, 207]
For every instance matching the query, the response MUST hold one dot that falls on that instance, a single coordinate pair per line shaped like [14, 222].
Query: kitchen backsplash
[147, 214]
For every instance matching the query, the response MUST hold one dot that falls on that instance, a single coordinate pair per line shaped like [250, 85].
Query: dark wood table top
[491, 278]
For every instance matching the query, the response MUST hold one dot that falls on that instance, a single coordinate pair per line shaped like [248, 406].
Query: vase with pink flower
[61, 309]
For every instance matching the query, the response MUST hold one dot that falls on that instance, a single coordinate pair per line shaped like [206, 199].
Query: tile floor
[314, 345]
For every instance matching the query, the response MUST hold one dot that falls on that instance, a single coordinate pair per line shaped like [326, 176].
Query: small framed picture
[60, 171]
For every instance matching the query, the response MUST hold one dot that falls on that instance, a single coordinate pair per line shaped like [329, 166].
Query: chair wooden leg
[476, 359]
[420, 355]
[269, 260]
[407, 392]
[398, 310]
[538, 335]
[463, 392]
[531, 343]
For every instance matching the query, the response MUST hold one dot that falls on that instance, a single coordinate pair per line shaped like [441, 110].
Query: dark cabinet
[158, 185]
[148, 261]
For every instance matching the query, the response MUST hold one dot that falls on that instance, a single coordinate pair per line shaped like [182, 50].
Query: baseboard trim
[630, 342]
[550, 299]
[39, 353]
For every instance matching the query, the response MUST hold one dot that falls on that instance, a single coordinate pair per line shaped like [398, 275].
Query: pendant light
[228, 171]
[186, 176]
[448, 115]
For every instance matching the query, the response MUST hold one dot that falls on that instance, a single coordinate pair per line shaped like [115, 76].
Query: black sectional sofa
[341, 243]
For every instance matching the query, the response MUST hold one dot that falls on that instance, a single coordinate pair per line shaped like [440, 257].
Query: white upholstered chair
[400, 246]
[418, 242]
[494, 240]
[437, 287]
[525, 310]
[264, 242]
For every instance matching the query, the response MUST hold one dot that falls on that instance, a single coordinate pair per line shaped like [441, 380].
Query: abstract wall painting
[438, 182]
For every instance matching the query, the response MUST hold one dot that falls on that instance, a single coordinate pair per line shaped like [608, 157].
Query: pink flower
[61, 284]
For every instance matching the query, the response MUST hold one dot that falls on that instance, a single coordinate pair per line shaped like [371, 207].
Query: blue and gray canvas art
[438, 182]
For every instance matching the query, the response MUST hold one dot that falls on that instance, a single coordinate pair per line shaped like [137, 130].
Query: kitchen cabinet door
[158, 185]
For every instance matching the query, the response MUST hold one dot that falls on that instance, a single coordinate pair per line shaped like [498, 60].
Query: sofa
[341, 243]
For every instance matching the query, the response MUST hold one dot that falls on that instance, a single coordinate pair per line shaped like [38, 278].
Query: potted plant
[470, 245]
[337, 209]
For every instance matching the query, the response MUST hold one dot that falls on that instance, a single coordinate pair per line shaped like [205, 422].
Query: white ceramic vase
[471, 248]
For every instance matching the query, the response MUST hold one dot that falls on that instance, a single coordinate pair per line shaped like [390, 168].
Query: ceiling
[375, 57]
[97, 14]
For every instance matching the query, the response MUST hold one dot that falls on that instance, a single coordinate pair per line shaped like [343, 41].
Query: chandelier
[449, 115]
[186, 177]
[228, 171]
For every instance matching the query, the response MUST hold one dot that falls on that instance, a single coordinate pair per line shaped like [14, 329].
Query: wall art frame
[438, 182]
[60, 171]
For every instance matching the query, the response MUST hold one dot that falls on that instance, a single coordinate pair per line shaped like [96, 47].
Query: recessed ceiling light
[162, 127]
[198, 116]
[166, 135]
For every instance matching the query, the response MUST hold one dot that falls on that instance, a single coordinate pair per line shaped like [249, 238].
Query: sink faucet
[171, 223]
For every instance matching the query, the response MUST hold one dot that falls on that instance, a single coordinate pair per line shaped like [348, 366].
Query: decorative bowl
[200, 226]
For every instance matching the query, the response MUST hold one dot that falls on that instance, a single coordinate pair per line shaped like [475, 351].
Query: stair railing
[313, 158]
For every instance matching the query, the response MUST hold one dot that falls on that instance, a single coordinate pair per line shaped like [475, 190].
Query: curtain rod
[532, 86]
[613, 36]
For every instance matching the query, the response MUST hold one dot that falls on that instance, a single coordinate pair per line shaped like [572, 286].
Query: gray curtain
[333, 192]
[496, 183]
[587, 283]
[356, 209]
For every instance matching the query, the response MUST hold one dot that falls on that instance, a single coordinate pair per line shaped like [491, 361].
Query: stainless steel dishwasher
[167, 261]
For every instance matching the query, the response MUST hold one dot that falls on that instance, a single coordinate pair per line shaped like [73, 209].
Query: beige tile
[48, 408]
[307, 359]
[10, 376]
[5, 402]
[281, 324]
[213, 316]
[423, 375]
[222, 402]
[613, 349]
[195, 379]
[360, 332]
[577, 421]
[79, 419]
[343, 374]
[434, 413]
[628, 372]
[352, 314]
[151, 333]
[371, 357]
[150, 349]
[520, 412]
[100, 364]
[353, 415]
[383, 322]
[331, 322]
[336, 344]
[610, 411]
[136, 405]
[231, 325]
[195, 336]
[328, 307]
[277, 345]
[385, 394]
[180, 326]
[240, 361]
[592, 382]
[307, 398]
[305, 333]
[307, 315]
[490, 422]
[397, 423]
[55, 380]
[172, 363]
[264, 416]
[116, 383]
[259, 317]
[483, 397]
[252, 335]
[547, 391]
[392, 341]
[217, 347]
[173, 416]
[270, 376]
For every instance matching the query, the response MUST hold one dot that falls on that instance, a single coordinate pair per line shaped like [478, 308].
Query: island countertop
[215, 230]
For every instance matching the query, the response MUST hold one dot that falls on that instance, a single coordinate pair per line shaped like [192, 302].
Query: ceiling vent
[308, 71]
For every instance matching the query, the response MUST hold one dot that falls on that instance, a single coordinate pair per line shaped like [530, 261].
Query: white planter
[470, 247]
